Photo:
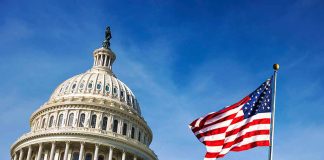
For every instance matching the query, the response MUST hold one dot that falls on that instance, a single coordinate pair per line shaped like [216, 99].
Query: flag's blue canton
[260, 100]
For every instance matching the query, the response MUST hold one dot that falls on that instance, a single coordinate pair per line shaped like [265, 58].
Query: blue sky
[181, 59]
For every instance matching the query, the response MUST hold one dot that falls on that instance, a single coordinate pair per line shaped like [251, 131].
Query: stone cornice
[95, 104]
[115, 137]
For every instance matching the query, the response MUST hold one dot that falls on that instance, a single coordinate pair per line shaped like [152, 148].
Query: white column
[40, 150]
[105, 60]
[29, 153]
[15, 156]
[67, 145]
[95, 157]
[124, 155]
[109, 63]
[135, 158]
[110, 153]
[52, 151]
[21, 154]
[81, 151]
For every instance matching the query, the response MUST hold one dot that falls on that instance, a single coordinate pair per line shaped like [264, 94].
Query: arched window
[104, 123]
[101, 157]
[71, 117]
[60, 120]
[121, 93]
[73, 86]
[139, 135]
[115, 126]
[107, 88]
[81, 85]
[88, 156]
[90, 85]
[99, 86]
[124, 128]
[81, 122]
[93, 121]
[75, 156]
[51, 121]
[133, 133]
[43, 123]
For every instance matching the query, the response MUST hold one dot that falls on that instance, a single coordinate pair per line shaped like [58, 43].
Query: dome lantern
[104, 57]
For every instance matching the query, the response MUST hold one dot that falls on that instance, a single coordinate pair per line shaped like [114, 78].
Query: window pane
[71, 117]
[93, 121]
[81, 122]
[104, 123]
[51, 121]
[43, 124]
[60, 121]
[133, 133]
[124, 129]
[115, 127]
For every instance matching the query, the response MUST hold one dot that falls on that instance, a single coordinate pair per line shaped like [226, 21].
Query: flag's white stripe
[230, 112]
[247, 141]
[209, 158]
[219, 125]
[233, 137]
[214, 149]
[198, 122]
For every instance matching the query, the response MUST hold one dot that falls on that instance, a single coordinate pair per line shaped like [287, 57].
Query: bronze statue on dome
[106, 42]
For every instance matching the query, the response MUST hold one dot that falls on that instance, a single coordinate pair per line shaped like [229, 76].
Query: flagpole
[273, 106]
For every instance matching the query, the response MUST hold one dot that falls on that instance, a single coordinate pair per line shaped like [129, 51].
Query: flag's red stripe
[211, 155]
[237, 119]
[212, 132]
[214, 143]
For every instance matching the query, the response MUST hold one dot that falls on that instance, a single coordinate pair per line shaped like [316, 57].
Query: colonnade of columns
[20, 154]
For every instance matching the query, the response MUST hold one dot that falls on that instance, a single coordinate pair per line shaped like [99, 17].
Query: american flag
[241, 126]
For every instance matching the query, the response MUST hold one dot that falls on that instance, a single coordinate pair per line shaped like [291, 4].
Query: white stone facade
[91, 116]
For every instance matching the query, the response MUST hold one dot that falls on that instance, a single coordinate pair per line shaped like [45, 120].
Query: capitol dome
[90, 116]
[98, 82]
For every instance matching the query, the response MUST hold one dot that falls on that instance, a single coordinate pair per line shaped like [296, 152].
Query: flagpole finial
[276, 66]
